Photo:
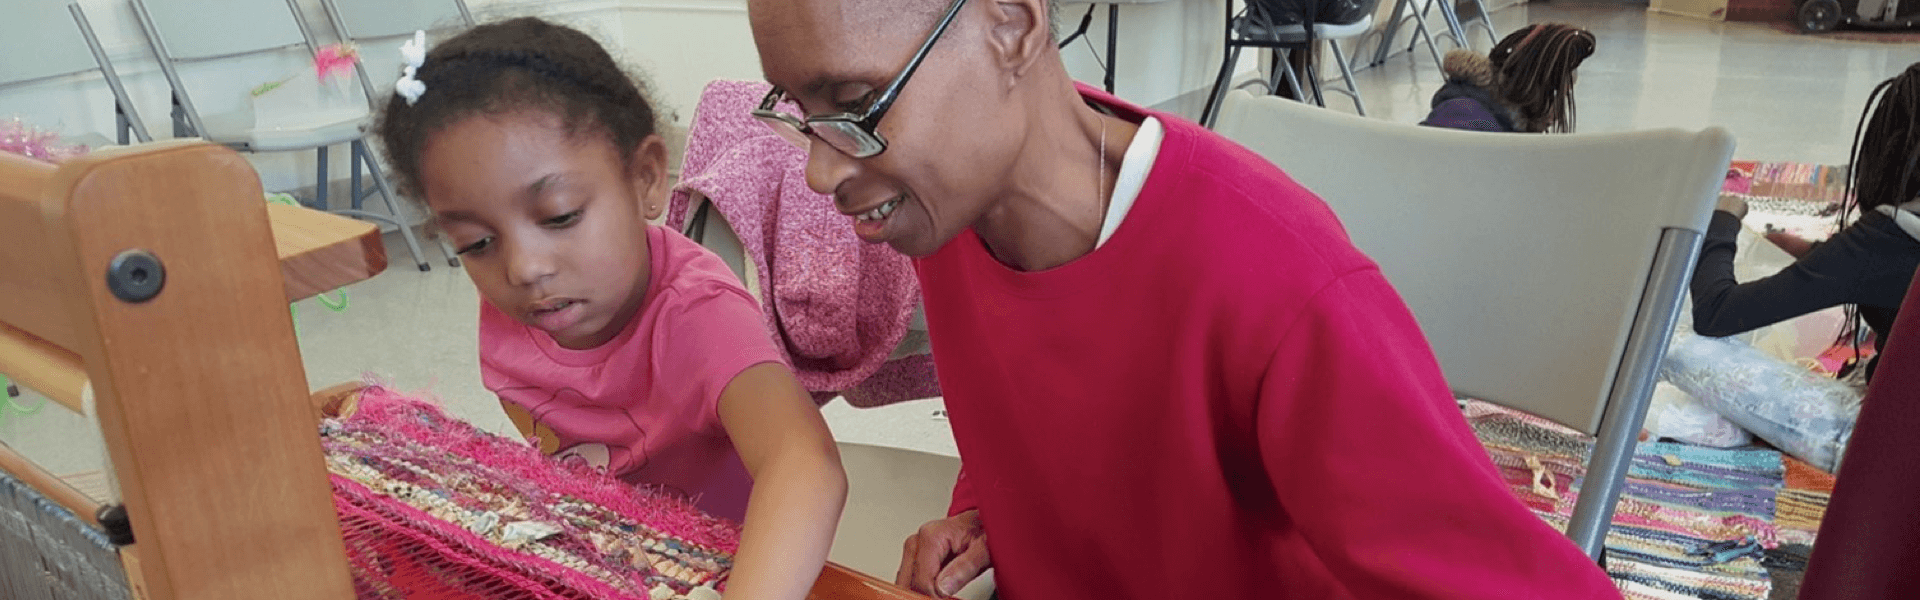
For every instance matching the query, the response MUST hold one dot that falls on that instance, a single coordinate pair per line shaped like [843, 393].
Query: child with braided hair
[1867, 265]
[1524, 85]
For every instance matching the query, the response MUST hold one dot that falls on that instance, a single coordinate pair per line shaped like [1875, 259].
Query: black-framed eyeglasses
[857, 135]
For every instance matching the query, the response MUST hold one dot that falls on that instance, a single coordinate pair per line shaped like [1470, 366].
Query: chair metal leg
[1113, 42]
[1293, 83]
[386, 193]
[1346, 73]
[1283, 72]
[1277, 69]
[1458, 32]
[320, 180]
[122, 128]
[182, 127]
[1486, 22]
[1313, 79]
[353, 181]
[1212, 109]
[1425, 35]
[1392, 29]
[453, 256]
[1632, 388]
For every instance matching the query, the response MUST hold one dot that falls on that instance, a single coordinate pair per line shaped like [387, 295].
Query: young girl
[1867, 265]
[1524, 85]
[616, 344]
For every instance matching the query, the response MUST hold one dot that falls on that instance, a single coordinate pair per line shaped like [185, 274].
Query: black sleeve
[1829, 275]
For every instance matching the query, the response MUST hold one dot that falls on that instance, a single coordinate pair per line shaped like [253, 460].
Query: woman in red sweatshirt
[1169, 372]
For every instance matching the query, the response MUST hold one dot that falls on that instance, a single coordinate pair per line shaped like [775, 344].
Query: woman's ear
[1019, 33]
[648, 170]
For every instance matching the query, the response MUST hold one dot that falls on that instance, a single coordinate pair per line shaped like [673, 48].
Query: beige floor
[1784, 97]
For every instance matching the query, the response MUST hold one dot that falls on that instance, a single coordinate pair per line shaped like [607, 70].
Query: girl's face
[552, 227]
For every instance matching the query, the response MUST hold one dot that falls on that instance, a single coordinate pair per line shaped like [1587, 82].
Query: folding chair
[185, 33]
[1244, 31]
[378, 27]
[1457, 27]
[45, 40]
[1546, 271]
[375, 24]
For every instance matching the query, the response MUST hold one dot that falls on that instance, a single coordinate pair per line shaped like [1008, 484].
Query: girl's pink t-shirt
[644, 407]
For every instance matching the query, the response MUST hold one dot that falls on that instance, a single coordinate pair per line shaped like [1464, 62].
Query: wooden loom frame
[197, 382]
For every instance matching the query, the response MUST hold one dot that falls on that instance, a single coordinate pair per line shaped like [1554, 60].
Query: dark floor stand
[1113, 38]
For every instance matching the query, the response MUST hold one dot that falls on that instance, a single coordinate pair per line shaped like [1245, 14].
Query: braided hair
[514, 65]
[1886, 147]
[1536, 66]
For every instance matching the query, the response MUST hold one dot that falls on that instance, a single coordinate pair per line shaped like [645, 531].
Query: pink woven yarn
[434, 507]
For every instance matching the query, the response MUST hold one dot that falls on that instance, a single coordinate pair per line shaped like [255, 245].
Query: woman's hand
[1732, 204]
[944, 555]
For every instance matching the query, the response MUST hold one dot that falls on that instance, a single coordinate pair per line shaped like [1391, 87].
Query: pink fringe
[395, 546]
[386, 409]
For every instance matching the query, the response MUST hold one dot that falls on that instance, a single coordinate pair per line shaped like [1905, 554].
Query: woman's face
[949, 138]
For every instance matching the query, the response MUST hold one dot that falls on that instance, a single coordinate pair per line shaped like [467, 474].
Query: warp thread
[48, 552]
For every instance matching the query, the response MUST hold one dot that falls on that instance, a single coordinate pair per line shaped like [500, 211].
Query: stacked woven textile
[433, 507]
[1799, 198]
[1692, 522]
[1803, 503]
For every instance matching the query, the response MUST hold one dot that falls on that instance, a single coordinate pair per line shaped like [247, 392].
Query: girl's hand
[1795, 246]
[799, 486]
[1732, 204]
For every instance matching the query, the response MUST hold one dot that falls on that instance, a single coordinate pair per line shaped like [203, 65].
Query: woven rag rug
[432, 507]
[1797, 513]
[1692, 522]
[1800, 198]
[1788, 191]
[1797, 197]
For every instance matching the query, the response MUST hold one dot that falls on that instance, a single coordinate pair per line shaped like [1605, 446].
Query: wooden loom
[140, 292]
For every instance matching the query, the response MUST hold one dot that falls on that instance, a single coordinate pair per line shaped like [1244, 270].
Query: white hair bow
[414, 52]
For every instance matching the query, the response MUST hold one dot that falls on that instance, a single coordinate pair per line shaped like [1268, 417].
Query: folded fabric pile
[433, 507]
[1691, 522]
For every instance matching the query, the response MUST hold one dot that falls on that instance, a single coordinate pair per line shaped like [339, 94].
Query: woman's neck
[1057, 195]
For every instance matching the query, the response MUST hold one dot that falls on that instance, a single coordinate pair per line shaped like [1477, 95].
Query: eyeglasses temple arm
[887, 96]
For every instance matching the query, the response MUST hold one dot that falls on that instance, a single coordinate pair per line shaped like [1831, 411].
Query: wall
[1779, 11]
[82, 105]
[1169, 53]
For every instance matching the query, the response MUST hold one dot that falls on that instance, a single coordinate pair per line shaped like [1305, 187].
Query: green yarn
[10, 405]
[331, 304]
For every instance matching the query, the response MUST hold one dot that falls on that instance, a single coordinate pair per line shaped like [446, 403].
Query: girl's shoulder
[685, 270]
[699, 308]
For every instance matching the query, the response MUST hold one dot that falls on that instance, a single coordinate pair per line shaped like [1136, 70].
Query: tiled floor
[1784, 97]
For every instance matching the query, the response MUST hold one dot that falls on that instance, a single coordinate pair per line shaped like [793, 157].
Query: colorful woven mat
[433, 507]
[1692, 522]
[1800, 181]
[1800, 198]
[1803, 503]
[1796, 197]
